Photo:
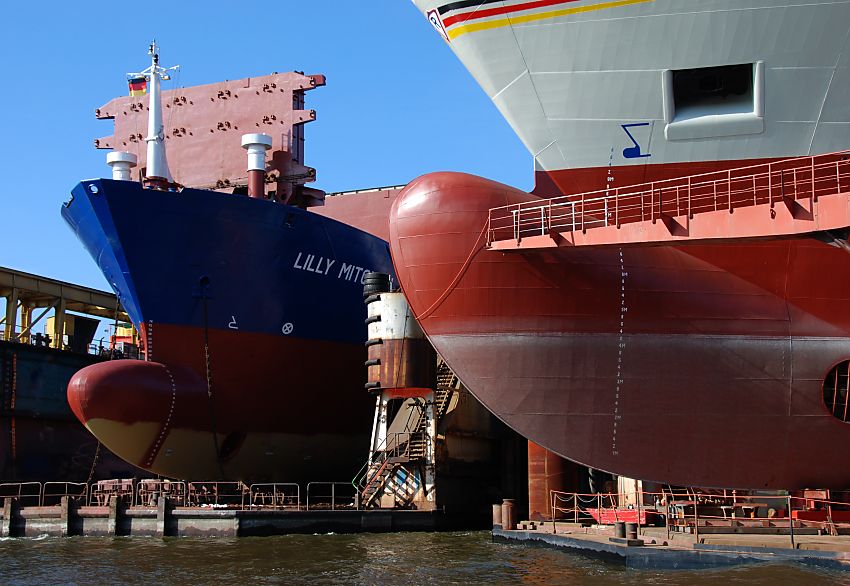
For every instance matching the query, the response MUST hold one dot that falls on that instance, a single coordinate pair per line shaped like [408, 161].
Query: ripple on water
[400, 558]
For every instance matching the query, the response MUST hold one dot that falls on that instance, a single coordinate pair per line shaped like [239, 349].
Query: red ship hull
[695, 364]
[258, 413]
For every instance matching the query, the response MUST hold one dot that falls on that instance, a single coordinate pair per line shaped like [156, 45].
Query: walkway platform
[25, 293]
[785, 198]
[682, 550]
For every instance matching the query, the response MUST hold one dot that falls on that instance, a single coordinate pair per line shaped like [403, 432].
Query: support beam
[59, 325]
[31, 325]
[26, 323]
[11, 314]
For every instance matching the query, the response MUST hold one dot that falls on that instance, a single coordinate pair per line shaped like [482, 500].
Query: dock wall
[166, 520]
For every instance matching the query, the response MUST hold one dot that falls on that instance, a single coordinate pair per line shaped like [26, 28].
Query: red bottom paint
[272, 407]
[694, 364]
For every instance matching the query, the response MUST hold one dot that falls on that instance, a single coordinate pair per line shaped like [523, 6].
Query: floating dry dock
[655, 550]
[163, 520]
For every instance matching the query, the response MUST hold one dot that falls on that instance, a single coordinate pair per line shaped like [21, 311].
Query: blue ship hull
[253, 320]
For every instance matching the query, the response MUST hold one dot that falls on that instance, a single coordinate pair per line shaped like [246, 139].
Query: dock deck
[682, 550]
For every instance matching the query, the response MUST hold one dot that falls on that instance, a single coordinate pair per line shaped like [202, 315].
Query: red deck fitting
[792, 196]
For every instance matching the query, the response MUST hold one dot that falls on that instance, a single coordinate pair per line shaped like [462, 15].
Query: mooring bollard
[10, 506]
[620, 529]
[65, 514]
[508, 515]
[497, 516]
[162, 517]
[631, 530]
[113, 526]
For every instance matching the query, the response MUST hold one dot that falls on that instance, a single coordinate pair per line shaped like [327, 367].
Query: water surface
[386, 559]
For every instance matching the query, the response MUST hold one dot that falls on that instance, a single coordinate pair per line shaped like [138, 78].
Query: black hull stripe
[464, 4]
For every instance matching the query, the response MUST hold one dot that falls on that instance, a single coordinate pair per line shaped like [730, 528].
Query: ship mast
[157, 173]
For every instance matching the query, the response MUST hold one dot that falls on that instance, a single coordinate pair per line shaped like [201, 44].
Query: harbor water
[410, 558]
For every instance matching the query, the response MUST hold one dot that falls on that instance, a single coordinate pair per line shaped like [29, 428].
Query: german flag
[138, 86]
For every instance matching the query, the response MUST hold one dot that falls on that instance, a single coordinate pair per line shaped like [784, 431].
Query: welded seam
[154, 451]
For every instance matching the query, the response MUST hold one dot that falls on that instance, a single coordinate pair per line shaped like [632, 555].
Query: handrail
[102, 490]
[765, 183]
[318, 499]
[73, 490]
[146, 492]
[218, 493]
[21, 491]
[782, 509]
[385, 450]
[283, 495]
[94, 349]
[149, 490]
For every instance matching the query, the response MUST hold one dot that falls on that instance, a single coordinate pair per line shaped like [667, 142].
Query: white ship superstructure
[627, 91]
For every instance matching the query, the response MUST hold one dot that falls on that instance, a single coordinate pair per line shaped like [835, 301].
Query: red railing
[150, 489]
[147, 492]
[102, 490]
[691, 511]
[768, 183]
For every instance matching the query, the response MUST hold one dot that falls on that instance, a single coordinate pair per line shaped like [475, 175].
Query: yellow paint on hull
[190, 454]
[526, 18]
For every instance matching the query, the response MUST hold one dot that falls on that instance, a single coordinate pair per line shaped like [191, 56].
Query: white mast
[157, 164]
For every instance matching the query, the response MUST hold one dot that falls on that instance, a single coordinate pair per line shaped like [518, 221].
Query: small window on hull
[835, 390]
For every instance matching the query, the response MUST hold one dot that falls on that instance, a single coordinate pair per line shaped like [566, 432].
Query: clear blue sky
[397, 104]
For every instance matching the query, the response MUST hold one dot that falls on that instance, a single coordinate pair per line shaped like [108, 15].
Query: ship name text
[322, 266]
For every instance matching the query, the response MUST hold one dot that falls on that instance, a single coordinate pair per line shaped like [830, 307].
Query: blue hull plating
[258, 266]
[253, 318]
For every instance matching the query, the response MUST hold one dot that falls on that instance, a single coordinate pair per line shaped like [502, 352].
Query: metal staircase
[392, 467]
[447, 384]
[389, 468]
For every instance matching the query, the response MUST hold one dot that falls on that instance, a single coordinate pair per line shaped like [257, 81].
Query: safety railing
[149, 490]
[101, 347]
[601, 508]
[692, 511]
[218, 494]
[27, 493]
[785, 181]
[331, 496]
[279, 495]
[52, 492]
[395, 445]
[96, 348]
[25, 335]
[103, 490]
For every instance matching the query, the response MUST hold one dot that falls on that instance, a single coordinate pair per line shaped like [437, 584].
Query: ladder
[391, 467]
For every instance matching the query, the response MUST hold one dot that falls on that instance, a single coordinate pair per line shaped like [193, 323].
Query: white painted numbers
[621, 347]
